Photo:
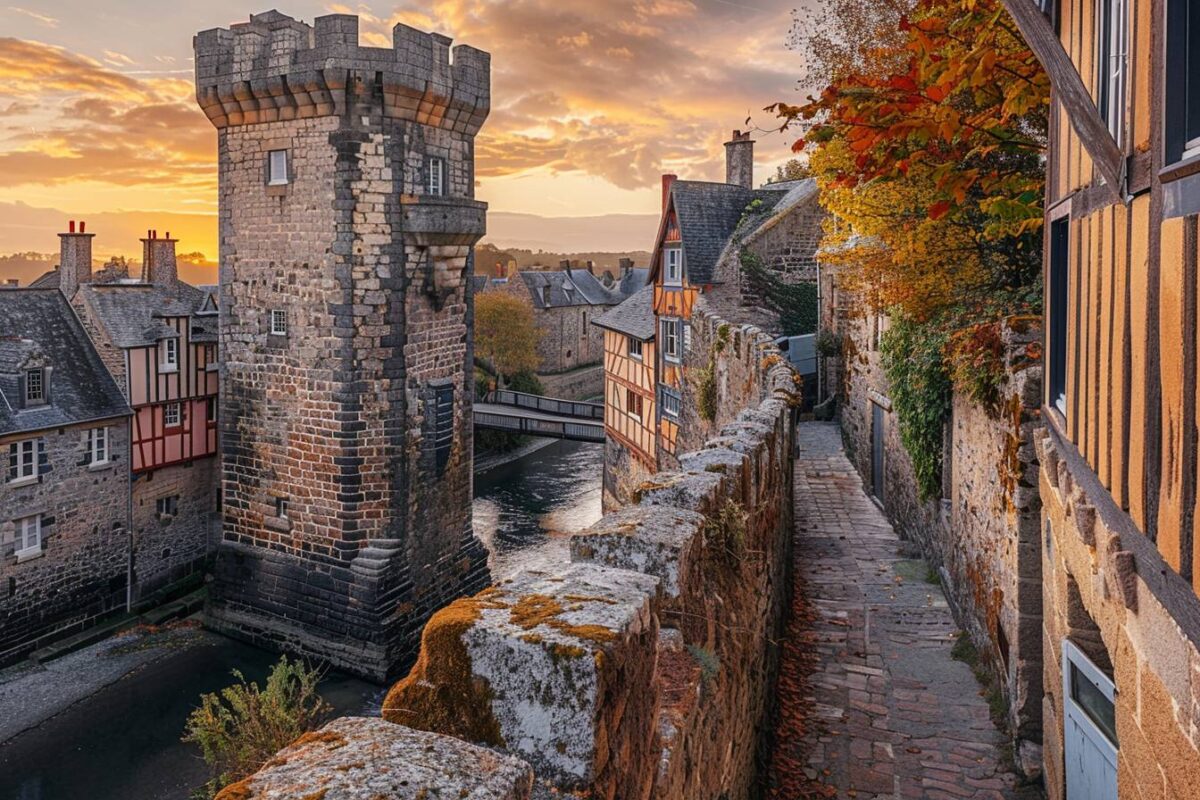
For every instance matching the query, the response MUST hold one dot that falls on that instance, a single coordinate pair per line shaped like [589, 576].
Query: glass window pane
[1098, 708]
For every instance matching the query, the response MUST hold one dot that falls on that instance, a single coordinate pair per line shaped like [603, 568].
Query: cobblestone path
[871, 703]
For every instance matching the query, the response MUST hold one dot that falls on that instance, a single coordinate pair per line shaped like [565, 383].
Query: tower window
[437, 177]
[281, 507]
[279, 323]
[277, 168]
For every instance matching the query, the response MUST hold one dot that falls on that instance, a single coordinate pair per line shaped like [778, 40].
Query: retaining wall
[644, 667]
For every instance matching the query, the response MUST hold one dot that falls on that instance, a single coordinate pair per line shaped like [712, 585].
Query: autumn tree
[505, 334]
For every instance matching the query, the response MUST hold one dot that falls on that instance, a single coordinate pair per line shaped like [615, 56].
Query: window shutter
[43, 461]
[13, 456]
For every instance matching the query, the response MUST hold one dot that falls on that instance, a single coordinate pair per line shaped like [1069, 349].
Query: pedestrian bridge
[534, 415]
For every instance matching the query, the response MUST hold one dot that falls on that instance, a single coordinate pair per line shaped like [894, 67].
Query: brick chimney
[739, 160]
[74, 258]
[667, 182]
[158, 260]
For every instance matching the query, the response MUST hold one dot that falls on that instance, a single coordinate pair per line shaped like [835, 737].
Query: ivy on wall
[919, 385]
[796, 303]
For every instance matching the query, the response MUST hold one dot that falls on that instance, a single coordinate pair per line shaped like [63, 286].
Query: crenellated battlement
[275, 68]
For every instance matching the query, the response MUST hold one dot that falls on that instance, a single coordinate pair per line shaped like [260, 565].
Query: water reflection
[526, 510]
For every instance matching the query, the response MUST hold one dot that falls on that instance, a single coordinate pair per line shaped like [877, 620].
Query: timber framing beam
[1068, 86]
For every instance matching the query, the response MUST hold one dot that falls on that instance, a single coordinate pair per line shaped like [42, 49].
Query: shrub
[976, 356]
[919, 386]
[242, 726]
[706, 392]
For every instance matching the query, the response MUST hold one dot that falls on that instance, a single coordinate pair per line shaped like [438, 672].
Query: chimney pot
[82, 226]
[71, 226]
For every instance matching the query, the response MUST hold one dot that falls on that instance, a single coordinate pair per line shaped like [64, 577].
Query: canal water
[122, 743]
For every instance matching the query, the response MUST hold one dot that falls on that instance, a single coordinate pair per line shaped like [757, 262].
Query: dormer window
[436, 169]
[170, 355]
[277, 168]
[672, 266]
[35, 387]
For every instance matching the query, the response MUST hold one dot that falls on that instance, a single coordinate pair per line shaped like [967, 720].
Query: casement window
[672, 265]
[170, 356]
[670, 339]
[633, 403]
[1056, 385]
[1182, 77]
[281, 507]
[635, 347]
[35, 387]
[167, 506]
[97, 445]
[28, 536]
[670, 401]
[277, 168]
[279, 322]
[172, 415]
[436, 175]
[1112, 66]
[23, 460]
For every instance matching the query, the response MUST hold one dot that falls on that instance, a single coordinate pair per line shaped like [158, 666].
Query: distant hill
[195, 268]
[609, 233]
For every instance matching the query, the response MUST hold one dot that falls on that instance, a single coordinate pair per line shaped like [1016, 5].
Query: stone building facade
[982, 530]
[64, 477]
[347, 219]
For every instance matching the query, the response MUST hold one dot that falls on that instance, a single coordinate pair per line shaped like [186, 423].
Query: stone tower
[347, 220]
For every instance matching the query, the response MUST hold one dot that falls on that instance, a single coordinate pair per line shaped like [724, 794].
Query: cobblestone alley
[872, 705]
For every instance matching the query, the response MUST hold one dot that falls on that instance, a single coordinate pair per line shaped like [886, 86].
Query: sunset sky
[591, 101]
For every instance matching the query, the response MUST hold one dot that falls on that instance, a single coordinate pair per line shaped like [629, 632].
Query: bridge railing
[555, 429]
[547, 405]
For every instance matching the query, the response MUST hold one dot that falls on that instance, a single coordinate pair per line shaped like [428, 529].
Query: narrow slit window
[277, 168]
[170, 359]
[437, 177]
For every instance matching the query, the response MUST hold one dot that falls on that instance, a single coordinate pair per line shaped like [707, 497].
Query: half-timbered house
[1121, 450]
[630, 411]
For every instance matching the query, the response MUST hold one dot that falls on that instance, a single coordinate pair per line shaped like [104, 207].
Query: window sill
[29, 555]
[214, 367]
[278, 183]
[277, 524]
[99, 466]
[168, 368]
[19, 482]
[1185, 167]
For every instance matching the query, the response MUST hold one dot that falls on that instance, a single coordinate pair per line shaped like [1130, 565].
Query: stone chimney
[74, 258]
[667, 182]
[739, 160]
[626, 265]
[564, 265]
[158, 260]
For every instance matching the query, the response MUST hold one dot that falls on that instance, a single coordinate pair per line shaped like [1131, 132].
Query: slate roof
[708, 215]
[633, 317]
[40, 322]
[631, 281]
[132, 313]
[575, 287]
[47, 280]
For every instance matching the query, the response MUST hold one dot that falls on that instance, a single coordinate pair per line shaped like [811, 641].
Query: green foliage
[706, 392]
[710, 665]
[796, 303]
[919, 386]
[976, 358]
[242, 726]
[525, 381]
[828, 344]
[725, 533]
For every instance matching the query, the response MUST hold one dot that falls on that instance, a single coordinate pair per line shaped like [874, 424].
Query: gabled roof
[132, 313]
[634, 317]
[708, 215]
[565, 288]
[788, 197]
[38, 323]
[631, 281]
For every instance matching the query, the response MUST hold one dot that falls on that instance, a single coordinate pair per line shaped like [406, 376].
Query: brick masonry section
[874, 706]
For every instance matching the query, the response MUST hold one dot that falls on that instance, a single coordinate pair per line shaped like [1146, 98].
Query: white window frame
[277, 168]
[1115, 73]
[634, 348]
[27, 461]
[672, 350]
[178, 415]
[98, 445]
[28, 533]
[672, 265]
[279, 322]
[40, 375]
[170, 356]
[435, 176]
[281, 508]
[162, 506]
[631, 395]
[670, 403]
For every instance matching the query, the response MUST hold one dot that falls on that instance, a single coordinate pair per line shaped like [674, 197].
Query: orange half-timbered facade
[1121, 452]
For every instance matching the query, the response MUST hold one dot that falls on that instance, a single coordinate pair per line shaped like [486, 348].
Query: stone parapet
[644, 667]
[275, 68]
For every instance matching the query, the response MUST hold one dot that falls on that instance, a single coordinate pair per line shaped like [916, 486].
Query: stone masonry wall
[1104, 591]
[172, 548]
[643, 668]
[569, 339]
[584, 383]
[982, 533]
[82, 572]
